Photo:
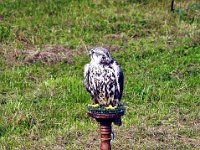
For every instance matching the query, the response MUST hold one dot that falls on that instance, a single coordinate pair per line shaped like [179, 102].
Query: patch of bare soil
[50, 54]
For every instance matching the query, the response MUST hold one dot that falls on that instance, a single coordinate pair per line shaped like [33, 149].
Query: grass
[43, 103]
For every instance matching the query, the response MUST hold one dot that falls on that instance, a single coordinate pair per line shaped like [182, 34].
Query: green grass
[44, 105]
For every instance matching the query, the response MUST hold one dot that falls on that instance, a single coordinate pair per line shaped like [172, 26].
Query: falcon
[103, 78]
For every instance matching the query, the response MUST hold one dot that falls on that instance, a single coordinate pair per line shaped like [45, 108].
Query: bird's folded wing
[119, 78]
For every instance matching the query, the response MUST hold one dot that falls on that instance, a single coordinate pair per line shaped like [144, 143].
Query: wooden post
[172, 5]
[105, 131]
[105, 120]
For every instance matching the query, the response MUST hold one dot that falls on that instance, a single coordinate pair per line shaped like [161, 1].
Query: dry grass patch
[164, 136]
[48, 54]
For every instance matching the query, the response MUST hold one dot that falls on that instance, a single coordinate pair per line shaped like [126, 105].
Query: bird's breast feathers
[102, 73]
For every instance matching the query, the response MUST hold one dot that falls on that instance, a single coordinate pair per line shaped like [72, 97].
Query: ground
[43, 48]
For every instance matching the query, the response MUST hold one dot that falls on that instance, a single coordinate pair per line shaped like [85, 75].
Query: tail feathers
[118, 122]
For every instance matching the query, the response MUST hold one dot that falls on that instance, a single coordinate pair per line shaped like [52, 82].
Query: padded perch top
[101, 112]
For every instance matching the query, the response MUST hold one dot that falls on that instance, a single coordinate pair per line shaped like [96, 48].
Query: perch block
[105, 117]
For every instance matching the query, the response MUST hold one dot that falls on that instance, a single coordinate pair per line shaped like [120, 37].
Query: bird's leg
[108, 101]
[95, 103]
[115, 103]
[111, 104]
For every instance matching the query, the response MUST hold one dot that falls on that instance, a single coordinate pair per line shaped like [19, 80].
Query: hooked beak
[91, 52]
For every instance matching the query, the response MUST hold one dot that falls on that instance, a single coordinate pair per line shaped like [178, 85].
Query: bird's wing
[86, 77]
[119, 78]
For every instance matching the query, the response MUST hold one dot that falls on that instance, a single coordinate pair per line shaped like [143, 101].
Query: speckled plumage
[103, 78]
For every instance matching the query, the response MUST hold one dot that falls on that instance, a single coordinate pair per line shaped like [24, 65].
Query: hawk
[103, 78]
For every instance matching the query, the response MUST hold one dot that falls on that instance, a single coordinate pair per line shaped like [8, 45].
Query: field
[44, 46]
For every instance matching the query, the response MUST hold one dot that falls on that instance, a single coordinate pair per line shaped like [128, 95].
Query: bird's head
[100, 55]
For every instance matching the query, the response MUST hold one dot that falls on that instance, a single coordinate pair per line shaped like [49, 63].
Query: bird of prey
[103, 78]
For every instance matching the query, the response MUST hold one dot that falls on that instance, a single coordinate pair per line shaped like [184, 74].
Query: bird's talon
[111, 107]
[93, 105]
